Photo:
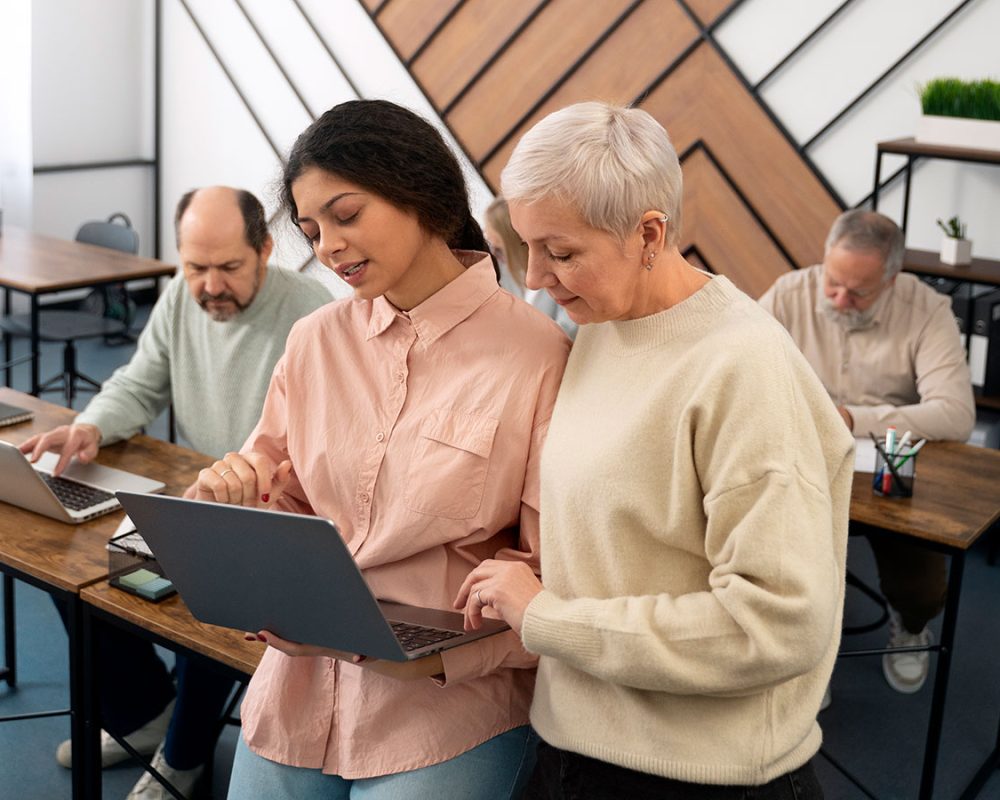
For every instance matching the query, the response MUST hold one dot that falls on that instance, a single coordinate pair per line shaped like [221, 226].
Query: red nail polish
[266, 498]
[262, 637]
[250, 637]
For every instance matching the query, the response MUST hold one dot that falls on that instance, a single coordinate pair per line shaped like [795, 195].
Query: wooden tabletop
[956, 496]
[32, 263]
[911, 147]
[70, 556]
[171, 619]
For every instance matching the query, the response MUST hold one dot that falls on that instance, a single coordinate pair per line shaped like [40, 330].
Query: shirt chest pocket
[450, 462]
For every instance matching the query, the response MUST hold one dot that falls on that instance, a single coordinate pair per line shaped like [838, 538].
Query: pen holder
[896, 482]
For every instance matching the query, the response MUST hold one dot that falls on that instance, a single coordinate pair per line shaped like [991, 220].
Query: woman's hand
[250, 479]
[505, 586]
[400, 670]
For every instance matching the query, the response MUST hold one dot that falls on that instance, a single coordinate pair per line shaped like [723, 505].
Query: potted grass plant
[955, 248]
[960, 113]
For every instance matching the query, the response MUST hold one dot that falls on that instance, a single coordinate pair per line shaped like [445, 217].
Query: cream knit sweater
[696, 481]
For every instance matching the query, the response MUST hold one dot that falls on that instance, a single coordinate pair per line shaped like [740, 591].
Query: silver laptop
[82, 492]
[253, 569]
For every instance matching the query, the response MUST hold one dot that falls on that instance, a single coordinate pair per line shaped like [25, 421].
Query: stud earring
[649, 264]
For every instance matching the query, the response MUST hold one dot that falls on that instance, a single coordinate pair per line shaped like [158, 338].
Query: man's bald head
[223, 244]
[223, 200]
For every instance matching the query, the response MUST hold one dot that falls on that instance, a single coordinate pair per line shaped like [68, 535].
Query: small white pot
[958, 132]
[956, 251]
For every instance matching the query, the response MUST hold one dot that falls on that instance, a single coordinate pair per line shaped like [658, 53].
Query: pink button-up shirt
[420, 435]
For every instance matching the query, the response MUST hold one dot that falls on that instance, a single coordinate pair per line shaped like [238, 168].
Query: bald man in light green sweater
[209, 347]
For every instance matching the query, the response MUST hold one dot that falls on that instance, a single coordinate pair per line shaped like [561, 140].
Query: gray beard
[850, 319]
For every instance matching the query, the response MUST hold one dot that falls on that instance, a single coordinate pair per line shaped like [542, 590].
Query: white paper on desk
[133, 541]
[864, 455]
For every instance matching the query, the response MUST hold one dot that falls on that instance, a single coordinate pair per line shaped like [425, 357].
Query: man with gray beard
[209, 349]
[888, 351]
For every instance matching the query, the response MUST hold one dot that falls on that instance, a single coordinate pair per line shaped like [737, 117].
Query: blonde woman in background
[512, 256]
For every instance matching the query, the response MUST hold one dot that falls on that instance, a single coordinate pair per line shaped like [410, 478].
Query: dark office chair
[106, 312]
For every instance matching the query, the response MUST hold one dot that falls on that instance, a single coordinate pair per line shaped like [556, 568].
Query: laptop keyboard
[75, 496]
[412, 637]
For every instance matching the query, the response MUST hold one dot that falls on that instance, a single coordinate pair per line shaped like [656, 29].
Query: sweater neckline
[691, 314]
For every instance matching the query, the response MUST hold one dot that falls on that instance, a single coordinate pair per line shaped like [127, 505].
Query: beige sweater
[696, 482]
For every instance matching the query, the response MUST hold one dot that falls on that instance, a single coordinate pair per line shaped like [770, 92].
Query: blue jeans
[495, 770]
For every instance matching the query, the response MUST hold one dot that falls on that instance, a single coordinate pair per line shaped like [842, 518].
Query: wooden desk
[956, 499]
[171, 624]
[63, 559]
[36, 265]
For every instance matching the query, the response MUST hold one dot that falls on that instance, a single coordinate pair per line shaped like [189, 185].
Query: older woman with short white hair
[695, 486]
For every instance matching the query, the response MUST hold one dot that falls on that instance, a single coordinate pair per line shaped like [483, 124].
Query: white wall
[846, 58]
[209, 136]
[15, 113]
[92, 100]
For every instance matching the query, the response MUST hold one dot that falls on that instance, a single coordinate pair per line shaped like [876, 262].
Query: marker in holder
[894, 476]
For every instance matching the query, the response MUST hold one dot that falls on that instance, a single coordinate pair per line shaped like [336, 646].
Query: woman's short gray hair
[858, 229]
[609, 162]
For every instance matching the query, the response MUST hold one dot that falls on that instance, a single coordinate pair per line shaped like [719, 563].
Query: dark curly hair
[396, 154]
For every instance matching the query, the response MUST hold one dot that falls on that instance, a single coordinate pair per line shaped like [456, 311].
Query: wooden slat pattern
[477, 31]
[719, 224]
[408, 23]
[703, 100]
[602, 76]
[708, 10]
[528, 69]
[753, 206]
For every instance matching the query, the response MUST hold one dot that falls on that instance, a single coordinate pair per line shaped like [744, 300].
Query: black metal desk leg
[878, 179]
[34, 345]
[84, 726]
[948, 626]
[9, 672]
[906, 192]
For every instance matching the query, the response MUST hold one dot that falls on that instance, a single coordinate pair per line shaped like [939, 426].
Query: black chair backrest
[110, 234]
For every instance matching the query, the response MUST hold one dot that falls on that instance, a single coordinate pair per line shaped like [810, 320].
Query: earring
[649, 264]
[664, 218]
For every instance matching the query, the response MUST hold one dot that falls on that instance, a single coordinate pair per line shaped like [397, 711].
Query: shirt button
[380, 437]
[401, 377]
[364, 498]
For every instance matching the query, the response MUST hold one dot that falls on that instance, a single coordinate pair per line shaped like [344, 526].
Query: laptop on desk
[82, 492]
[253, 569]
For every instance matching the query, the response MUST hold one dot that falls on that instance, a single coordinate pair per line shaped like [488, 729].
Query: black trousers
[561, 775]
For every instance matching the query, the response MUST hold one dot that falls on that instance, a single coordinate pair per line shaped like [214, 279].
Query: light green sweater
[696, 481]
[215, 373]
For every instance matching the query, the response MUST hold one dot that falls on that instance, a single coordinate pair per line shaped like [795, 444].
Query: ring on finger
[225, 472]
[479, 597]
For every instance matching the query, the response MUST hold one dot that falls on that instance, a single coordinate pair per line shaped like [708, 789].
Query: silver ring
[479, 597]
[225, 472]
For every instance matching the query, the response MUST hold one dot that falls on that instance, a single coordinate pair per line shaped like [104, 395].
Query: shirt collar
[450, 305]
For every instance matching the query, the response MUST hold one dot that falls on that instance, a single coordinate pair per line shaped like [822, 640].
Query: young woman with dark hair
[412, 415]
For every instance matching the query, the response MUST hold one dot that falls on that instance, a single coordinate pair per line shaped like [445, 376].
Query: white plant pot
[956, 251]
[979, 134]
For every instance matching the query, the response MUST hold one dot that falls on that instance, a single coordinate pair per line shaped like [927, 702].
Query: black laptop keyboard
[75, 496]
[412, 637]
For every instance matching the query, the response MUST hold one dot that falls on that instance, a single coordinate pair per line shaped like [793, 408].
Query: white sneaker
[145, 740]
[148, 788]
[906, 672]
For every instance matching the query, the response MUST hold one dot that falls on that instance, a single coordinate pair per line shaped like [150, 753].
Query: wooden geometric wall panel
[753, 206]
